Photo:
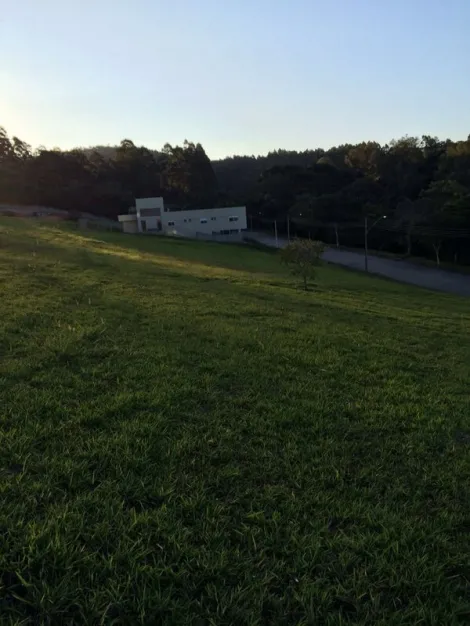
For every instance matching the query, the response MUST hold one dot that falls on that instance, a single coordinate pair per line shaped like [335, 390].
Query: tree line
[421, 184]
[104, 182]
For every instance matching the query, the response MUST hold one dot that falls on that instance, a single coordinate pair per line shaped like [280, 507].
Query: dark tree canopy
[421, 184]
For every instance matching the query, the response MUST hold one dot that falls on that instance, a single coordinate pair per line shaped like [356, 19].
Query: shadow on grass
[173, 424]
[213, 266]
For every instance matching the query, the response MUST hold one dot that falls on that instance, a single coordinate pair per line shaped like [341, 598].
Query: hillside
[188, 438]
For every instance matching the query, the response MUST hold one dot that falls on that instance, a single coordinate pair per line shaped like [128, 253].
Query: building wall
[151, 216]
[151, 223]
[148, 212]
[221, 238]
[130, 227]
[149, 203]
[151, 212]
[205, 221]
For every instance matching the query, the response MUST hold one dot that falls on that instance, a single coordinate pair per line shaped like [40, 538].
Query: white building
[151, 216]
[146, 217]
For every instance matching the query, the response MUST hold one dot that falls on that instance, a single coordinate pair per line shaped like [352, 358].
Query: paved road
[404, 272]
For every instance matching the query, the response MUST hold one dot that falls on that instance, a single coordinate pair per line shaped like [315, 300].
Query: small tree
[302, 256]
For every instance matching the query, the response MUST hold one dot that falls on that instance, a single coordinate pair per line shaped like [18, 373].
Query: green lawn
[186, 437]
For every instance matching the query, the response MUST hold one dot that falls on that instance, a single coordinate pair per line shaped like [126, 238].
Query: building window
[203, 220]
[233, 218]
[234, 230]
[171, 223]
[213, 219]
[225, 232]
[189, 219]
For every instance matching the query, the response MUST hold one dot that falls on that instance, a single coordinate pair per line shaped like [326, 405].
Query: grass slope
[187, 438]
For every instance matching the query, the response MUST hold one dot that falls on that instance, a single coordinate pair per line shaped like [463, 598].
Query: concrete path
[402, 271]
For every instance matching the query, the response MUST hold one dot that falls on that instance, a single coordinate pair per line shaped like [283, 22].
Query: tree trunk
[437, 248]
[337, 235]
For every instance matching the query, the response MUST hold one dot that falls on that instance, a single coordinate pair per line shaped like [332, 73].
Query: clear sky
[239, 76]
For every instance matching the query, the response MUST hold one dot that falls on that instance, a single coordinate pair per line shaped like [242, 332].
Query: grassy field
[186, 437]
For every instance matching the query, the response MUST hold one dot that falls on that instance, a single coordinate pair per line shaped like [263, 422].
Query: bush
[302, 256]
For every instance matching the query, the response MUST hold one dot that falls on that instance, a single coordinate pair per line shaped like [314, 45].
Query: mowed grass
[186, 437]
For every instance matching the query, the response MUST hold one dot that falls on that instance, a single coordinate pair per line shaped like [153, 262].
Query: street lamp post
[367, 230]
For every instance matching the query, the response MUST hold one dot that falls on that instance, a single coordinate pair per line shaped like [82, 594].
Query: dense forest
[421, 185]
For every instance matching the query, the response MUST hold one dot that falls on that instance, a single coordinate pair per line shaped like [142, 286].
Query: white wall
[151, 221]
[129, 227]
[149, 203]
[187, 223]
[125, 217]
[213, 220]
